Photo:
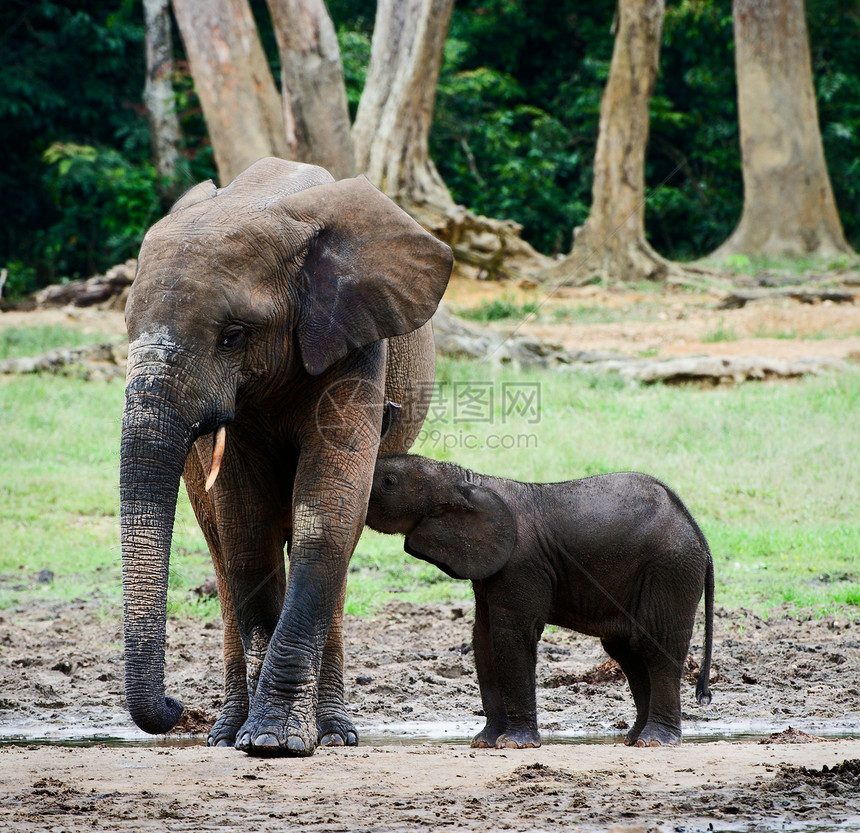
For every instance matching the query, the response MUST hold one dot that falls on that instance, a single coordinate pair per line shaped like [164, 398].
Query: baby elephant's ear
[472, 539]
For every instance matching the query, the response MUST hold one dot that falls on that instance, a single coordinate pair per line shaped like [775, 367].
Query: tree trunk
[611, 244]
[395, 113]
[232, 79]
[789, 207]
[391, 135]
[158, 97]
[312, 86]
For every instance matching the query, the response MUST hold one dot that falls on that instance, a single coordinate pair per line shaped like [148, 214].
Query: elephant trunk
[155, 442]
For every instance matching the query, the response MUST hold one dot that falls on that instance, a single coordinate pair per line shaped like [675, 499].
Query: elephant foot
[519, 739]
[226, 727]
[267, 735]
[336, 730]
[486, 738]
[508, 737]
[633, 735]
[656, 735]
[271, 741]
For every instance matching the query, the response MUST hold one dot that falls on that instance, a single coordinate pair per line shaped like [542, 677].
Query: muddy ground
[778, 749]
[413, 694]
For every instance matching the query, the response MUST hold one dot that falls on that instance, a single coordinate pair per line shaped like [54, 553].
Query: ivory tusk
[217, 456]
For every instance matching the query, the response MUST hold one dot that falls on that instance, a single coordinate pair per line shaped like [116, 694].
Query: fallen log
[713, 369]
[103, 361]
[96, 290]
[806, 295]
[459, 338]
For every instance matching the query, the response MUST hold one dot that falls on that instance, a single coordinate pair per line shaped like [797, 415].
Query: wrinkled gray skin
[289, 309]
[617, 556]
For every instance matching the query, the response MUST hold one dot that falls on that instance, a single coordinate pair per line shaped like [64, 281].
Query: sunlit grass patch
[768, 470]
[16, 342]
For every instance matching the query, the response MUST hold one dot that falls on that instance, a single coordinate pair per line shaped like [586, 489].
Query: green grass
[722, 333]
[499, 309]
[769, 470]
[601, 314]
[33, 341]
[798, 266]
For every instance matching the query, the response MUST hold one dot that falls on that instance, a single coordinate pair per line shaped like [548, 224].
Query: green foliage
[515, 131]
[834, 30]
[104, 205]
[355, 56]
[518, 109]
[70, 73]
[693, 170]
[516, 115]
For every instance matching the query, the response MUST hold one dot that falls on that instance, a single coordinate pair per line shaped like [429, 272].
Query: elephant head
[460, 526]
[241, 292]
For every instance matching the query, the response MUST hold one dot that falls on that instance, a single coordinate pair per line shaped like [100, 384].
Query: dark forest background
[514, 135]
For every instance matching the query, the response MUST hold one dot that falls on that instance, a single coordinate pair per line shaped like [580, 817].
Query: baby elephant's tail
[703, 693]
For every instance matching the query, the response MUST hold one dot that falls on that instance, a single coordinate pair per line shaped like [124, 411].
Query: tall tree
[395, 113]
[233, 81]
[159, 98]
[611, 243]
[789, 207]
[312, 86]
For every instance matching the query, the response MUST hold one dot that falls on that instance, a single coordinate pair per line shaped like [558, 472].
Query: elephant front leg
[514, 641]
[234, 712]
[283, 714]
[491, 695]
[247, 633]
[296, 696]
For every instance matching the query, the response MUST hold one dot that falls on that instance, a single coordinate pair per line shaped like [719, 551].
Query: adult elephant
[269, 323]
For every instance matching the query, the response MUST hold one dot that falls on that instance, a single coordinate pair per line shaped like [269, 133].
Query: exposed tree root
[492, 249]
[610, 262]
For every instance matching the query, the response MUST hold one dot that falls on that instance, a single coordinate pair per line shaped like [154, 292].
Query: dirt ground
[778, 749]
[674, 323]
[413, 694]
[678, 323]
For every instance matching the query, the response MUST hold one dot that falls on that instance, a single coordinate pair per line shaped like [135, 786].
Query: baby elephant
[617, 556]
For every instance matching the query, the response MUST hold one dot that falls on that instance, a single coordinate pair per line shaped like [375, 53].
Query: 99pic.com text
[449, 440]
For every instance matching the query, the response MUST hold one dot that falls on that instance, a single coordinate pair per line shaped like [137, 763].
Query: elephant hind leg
[334, 728]
[665, 665]
[235, 710]
[636, 671]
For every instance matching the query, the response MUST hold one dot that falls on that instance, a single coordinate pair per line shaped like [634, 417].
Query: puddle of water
[850, 824]
[408, 734]
[461, 733]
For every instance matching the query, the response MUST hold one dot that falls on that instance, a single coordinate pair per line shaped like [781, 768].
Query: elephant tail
[703, 692]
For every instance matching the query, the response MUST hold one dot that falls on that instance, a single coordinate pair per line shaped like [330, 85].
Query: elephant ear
[370, 271]
[472, 538]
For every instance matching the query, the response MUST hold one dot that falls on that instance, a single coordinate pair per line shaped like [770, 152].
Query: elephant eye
[231, 336]
[389, 482]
